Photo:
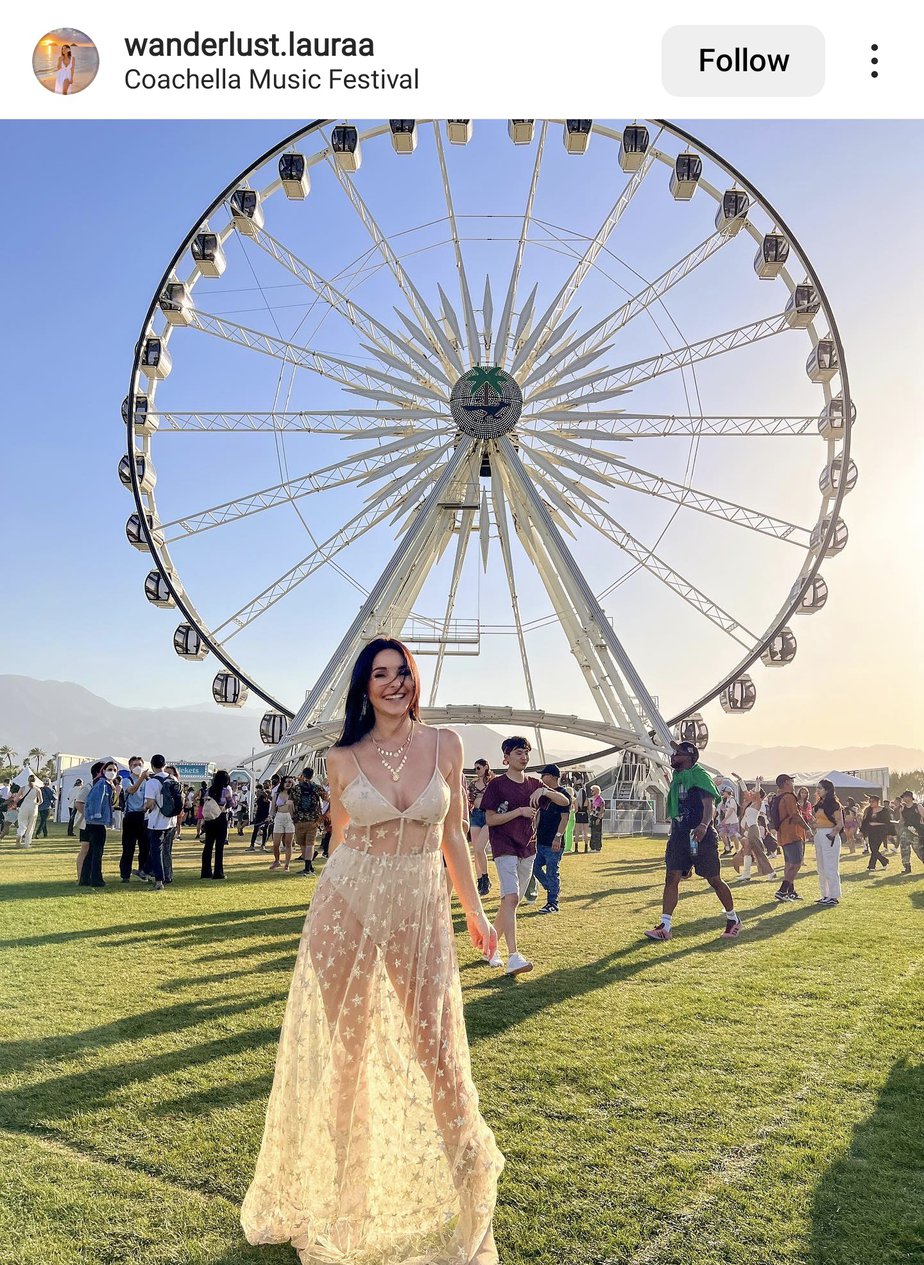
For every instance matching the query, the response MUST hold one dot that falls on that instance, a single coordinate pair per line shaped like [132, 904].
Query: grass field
[692, 1103]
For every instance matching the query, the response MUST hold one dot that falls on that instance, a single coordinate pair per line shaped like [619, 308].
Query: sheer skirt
[374, 1150]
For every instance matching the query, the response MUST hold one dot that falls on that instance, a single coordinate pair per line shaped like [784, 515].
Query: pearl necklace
[404, 751]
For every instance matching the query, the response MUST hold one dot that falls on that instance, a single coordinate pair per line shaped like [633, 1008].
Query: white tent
[841, 781]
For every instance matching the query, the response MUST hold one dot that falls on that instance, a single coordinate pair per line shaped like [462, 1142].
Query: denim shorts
[477, 819]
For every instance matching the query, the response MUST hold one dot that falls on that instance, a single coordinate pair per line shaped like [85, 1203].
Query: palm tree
[7, 755]
[39, 757]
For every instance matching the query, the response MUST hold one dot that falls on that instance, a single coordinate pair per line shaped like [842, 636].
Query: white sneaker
[517, 964]
[496, 960]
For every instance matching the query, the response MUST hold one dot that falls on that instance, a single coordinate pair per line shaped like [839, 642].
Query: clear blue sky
[99, 209]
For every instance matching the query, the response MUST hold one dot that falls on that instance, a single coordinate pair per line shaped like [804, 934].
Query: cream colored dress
[374, 1151]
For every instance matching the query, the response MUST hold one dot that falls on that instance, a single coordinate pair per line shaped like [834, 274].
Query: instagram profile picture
[65, 61]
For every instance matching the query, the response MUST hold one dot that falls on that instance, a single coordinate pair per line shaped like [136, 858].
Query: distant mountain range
[767, 762]
[61, 716]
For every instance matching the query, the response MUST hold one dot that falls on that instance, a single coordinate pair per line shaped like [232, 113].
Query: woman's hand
[483, 935]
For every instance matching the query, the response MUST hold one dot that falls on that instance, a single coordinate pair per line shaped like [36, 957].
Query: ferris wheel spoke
[379, 335]
[552, 462]
[487, 319]
[615, 685]
[330, 422]
[611, 530]
[680, 494]
[610, 325]
[573, 366]
[362, 467]
[466, 522]
[506, 318]
[425, 456]
[437, 339]
[449, 314]
[343, 371]
[536, 343]
[499, 505]
[352, 530]
[562, 510]
[616, 381]
[468, 312]
[616, 425]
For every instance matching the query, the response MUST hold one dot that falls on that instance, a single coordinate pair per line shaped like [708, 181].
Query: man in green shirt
[693, 843]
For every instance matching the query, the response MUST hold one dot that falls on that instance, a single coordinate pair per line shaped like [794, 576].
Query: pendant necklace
[403, 751]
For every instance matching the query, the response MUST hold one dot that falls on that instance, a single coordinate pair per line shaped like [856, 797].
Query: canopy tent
[841, 781]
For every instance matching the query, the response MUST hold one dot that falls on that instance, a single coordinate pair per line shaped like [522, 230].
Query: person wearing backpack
[97, 813]
[791, 832]
[218, 802]
[308, 816]
[911, 835]
[163, 802]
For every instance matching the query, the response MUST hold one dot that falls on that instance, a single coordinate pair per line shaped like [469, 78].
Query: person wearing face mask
[134, 823]
[97, 813]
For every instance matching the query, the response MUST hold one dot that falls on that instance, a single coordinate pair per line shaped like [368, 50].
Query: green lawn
[694, 1103]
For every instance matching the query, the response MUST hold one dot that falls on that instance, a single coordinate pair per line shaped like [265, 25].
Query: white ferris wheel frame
[427, 360]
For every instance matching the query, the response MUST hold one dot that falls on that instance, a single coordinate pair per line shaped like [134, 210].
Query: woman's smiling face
[390, 687]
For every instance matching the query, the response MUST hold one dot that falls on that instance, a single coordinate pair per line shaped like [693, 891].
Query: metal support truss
[390, 600]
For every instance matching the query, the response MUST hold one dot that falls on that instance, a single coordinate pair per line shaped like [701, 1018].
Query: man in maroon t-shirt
[510, 808]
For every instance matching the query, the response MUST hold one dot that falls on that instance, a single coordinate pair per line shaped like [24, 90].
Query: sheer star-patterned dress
[374, 1150]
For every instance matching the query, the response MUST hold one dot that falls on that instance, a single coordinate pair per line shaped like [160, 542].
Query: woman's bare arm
[338, 779]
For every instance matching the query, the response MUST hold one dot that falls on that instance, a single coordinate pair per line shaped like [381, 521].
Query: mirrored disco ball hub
[486, 402]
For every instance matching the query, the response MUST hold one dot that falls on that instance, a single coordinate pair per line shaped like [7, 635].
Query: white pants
[828, 860]
[25, 826]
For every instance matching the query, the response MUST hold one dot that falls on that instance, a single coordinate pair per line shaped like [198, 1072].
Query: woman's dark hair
[220, 782]
[358, 714]
[828, 802]
[488, 771]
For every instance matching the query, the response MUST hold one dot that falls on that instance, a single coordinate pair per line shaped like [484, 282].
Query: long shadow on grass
[188, 1015]
[50, 1104]
[486, 1019]
[869, 1205]
[235, 923]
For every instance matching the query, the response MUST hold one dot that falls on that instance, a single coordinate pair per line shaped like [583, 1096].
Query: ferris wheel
[480, 386]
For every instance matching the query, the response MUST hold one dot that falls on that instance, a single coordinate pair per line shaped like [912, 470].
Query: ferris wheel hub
[486, 402]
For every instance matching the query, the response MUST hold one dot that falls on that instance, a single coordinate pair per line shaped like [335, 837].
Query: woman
[729, 829]
[261, 808]
[479, 826]
[201, 794]
[597, 811]
[374, 1148]
[80, 821]
[218, 802]
[877, 825]
[851, 822]
[828, 822]
[97, 811]
[283, 815]
[64, 71]
[27, 814]
[189, 806]
[581, 817]
[753, 824]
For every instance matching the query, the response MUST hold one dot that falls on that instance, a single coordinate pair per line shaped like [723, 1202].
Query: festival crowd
[519, 820]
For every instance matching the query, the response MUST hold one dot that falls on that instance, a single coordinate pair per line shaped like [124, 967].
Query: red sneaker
[660, 932]
[732, 929]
